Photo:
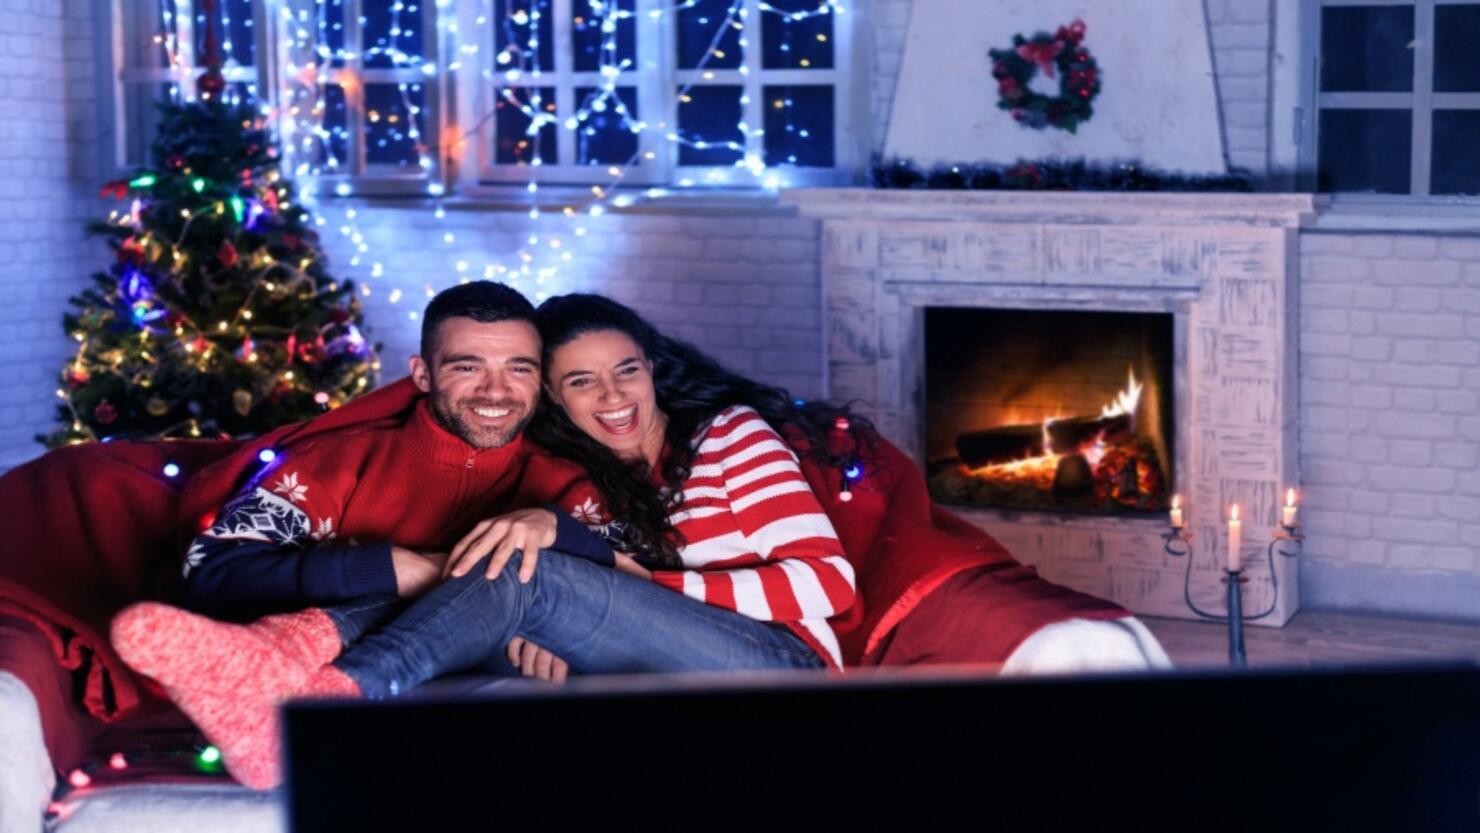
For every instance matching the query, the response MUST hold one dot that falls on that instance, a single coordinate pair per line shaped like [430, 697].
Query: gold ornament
[241, 399]
[157, 407]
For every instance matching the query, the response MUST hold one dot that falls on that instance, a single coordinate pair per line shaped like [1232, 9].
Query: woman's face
[605, 384]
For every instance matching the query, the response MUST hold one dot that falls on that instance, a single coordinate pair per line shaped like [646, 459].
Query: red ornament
[175, 161]
[132, 252]
[227, 254]
[339, 315]
[269, 198]
[117, 189]
[77, 377]
[105, 413]
[293, 242]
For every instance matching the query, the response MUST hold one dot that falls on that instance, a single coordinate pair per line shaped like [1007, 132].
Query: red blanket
[98, 527]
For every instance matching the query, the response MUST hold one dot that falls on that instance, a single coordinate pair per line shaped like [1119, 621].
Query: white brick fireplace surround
[1224, 266]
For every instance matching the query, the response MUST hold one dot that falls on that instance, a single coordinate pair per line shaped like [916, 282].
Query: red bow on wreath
[1042, 54]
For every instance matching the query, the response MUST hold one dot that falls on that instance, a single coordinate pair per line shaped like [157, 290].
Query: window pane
[141, 107]
[331, 32]
[799, 126]
[239, 92]
[235, 18]
[336, 121]
[513, 144]
[393, 122]
[709, 116]
[699, 25]
[1456, 167]
[591, 44]
[393, 35]
[524, 35]
[796, 44]
[1366, 49]
[1456, 60]
[605, 136]
[144, 44]
[1365, 150]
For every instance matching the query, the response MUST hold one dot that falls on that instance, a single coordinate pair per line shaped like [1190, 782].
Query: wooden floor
[1320, 639]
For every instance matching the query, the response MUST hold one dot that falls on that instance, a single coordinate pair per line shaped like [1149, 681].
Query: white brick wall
[1390, 422]
[48, 174]
[742, 286]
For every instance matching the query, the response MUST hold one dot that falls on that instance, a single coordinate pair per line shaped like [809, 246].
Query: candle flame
[1233, 513]
[1176, 501]
[1290, 497]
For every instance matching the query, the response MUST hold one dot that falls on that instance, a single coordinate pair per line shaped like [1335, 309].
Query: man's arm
[272, 548]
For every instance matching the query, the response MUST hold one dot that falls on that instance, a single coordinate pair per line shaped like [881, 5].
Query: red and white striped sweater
[757, 541]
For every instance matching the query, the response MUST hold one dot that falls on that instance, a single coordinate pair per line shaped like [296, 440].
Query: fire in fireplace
[1051, 410]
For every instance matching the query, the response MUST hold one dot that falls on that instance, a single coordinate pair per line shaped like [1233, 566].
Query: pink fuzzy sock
[230, 679]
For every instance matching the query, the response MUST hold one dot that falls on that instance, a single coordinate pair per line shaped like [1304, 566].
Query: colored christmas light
[267, 455]
[79, 779]
[117, 760]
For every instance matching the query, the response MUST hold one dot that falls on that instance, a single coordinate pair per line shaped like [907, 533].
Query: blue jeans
[597, 619]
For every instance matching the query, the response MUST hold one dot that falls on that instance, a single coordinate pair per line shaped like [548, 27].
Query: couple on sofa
[650, 512]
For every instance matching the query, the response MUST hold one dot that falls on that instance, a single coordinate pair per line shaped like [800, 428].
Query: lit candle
[1291, 511]
[1177, 520]
[1235, 534]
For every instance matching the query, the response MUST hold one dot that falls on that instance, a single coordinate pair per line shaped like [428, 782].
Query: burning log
[999, 445]
[1067, 436]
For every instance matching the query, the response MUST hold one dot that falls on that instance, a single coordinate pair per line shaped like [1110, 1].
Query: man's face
[484, 379]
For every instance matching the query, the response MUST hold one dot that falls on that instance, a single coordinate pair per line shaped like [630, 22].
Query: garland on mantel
[1050, 175]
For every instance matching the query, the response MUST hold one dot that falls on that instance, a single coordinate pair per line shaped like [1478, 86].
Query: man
[352, 523]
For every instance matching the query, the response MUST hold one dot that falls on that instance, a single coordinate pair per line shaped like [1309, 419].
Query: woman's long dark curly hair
[691, 390]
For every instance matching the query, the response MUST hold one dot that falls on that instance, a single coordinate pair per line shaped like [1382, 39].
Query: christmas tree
[219, 316]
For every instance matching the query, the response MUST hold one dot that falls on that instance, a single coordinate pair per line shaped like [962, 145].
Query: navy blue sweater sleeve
[262, 554]
[573, 538]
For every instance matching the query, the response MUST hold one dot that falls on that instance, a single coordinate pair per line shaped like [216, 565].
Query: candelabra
[1179, 545]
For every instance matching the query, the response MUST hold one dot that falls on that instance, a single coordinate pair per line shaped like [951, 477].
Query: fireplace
[1049, 410]
[1050, 303]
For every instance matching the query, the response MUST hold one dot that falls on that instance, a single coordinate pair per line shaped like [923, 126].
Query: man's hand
[527, 530]
[534, 661]
[627, 564]
[416, 572]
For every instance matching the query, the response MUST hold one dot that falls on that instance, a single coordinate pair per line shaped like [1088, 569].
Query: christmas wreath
[1060, 55]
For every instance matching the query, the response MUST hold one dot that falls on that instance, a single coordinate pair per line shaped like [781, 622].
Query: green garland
[1078, 74]
[1050, 175]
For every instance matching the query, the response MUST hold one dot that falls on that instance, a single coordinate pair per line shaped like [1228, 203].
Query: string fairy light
[318, 54]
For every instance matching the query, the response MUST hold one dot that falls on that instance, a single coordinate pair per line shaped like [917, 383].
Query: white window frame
[1299, 100]
[456, 103]
[358, 175]
[658, 82]
[126, 18]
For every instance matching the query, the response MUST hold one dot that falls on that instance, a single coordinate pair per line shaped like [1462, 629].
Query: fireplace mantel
[1222, 264]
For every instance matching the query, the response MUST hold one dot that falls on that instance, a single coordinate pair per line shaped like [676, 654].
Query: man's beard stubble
[448, 414]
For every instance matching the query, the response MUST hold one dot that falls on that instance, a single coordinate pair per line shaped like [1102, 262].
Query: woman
[727, 560]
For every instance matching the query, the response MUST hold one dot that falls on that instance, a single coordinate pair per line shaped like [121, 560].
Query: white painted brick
[1373, 245]
[1415, 248]
[1412, 324]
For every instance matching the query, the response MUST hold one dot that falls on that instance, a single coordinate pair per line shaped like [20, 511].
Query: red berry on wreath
[227, 254]
[105, 413]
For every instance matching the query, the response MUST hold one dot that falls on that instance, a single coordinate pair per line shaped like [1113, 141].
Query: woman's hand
[627, 564]
[534, 661]
[526, 530]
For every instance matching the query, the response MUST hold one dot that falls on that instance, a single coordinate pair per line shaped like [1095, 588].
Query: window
[590, 92]
[156, 46]
[359, 92]
[1397, 96]
[687, 92]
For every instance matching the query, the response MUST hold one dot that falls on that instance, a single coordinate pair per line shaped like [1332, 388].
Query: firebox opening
[1050, 410]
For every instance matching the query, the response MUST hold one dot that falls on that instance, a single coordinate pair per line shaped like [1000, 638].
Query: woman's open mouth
[621, 421]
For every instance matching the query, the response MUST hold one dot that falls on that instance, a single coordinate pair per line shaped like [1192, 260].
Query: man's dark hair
[486, 302]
